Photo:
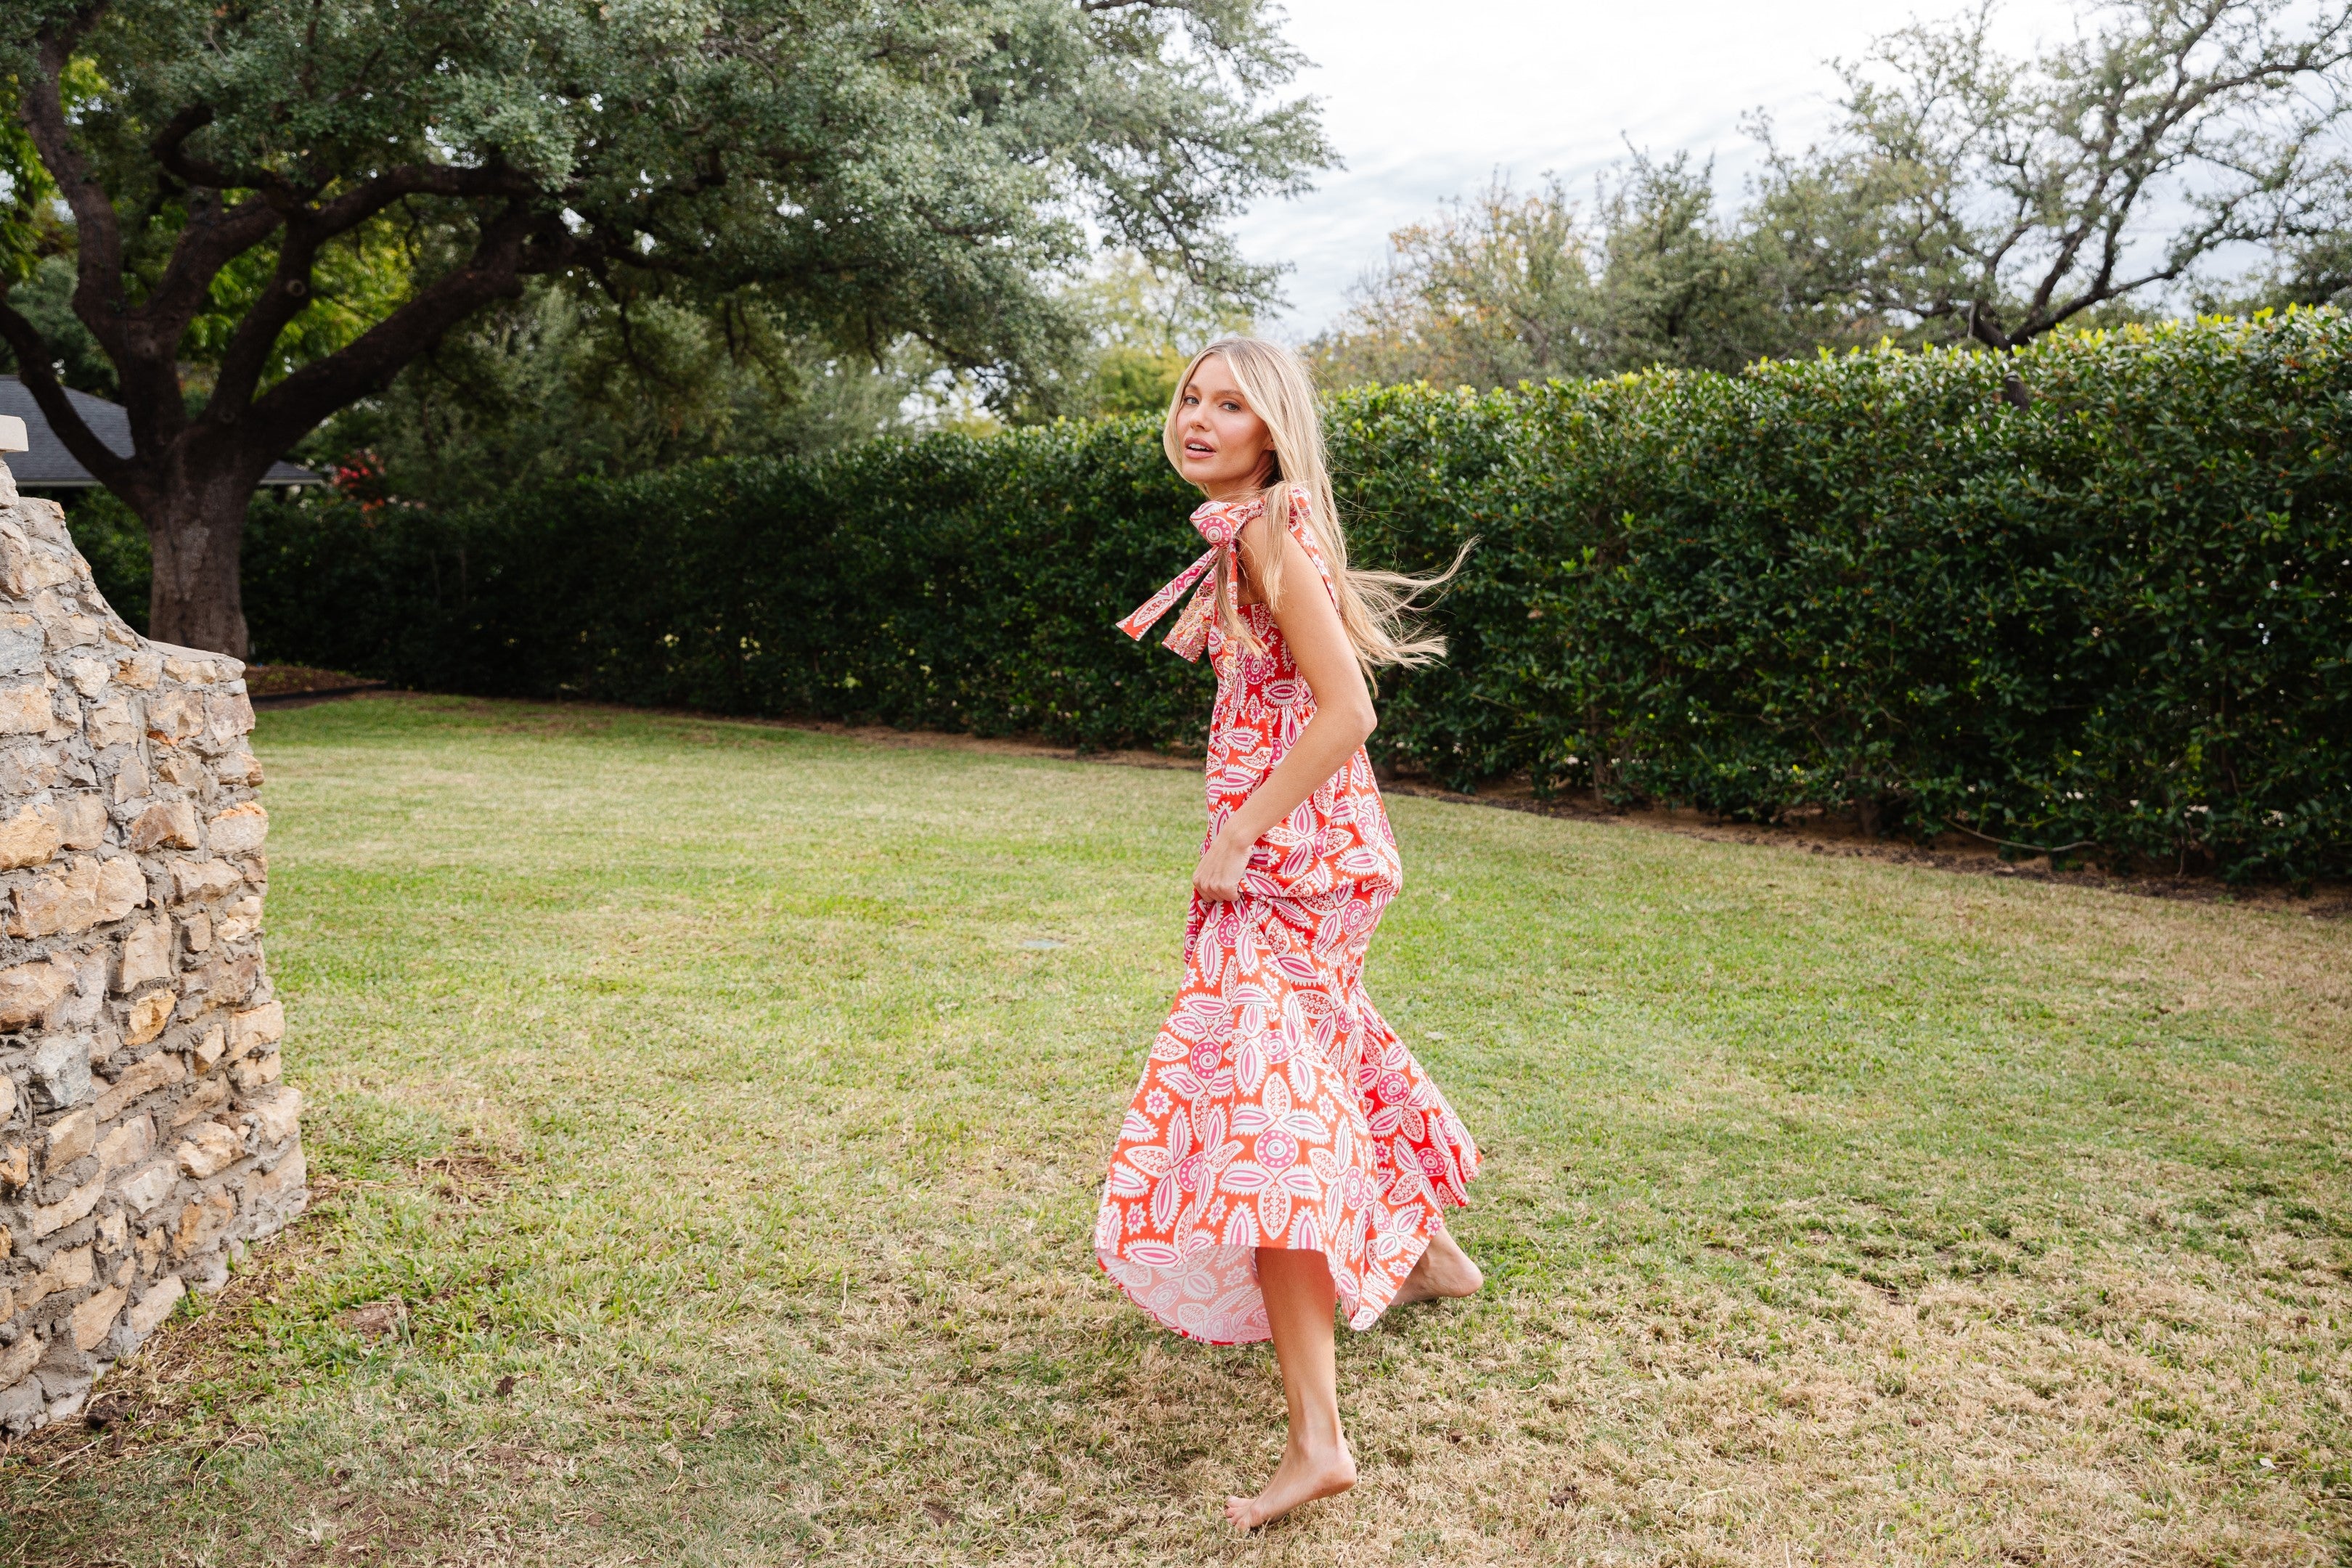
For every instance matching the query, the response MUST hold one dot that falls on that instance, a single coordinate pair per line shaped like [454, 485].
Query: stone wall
[144, 1136]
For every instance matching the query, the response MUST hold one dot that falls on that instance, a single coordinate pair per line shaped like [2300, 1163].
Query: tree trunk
[196, 532]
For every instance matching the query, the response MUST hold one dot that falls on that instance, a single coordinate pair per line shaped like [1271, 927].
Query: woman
[1284, 1150]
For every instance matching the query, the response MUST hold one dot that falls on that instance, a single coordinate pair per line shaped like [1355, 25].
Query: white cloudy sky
[1427, 99]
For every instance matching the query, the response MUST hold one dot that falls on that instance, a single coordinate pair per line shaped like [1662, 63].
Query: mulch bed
[285, 685]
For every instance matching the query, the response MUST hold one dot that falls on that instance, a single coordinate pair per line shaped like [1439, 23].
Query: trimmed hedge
[2114, 624]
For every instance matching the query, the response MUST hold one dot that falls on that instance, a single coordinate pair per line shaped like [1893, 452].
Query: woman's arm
[1343, 709]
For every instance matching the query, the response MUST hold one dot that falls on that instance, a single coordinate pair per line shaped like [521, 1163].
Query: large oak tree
[302, 197]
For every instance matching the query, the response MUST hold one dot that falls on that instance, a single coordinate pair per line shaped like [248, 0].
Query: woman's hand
[1218, 877]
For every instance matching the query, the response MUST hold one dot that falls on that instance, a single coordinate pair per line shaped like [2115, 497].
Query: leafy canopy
[926, 167]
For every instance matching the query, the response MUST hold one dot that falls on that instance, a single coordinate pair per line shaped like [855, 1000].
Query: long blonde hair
[1374, 606]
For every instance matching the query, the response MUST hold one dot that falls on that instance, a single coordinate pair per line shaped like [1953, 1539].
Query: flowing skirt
[1277, 1108]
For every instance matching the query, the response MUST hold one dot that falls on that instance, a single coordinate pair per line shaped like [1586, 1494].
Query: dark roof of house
[48, 465]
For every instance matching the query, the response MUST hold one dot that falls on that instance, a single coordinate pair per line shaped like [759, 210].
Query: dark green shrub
[2115, 622]
[114, 542]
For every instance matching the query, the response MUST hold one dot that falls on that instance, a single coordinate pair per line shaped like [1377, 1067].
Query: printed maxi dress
[1277, 1108]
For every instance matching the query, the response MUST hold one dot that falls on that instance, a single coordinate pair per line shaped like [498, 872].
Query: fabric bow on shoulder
[1221, 523]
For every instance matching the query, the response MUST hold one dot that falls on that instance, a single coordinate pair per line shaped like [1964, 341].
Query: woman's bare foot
[1443, 1270]
[1302, 1477]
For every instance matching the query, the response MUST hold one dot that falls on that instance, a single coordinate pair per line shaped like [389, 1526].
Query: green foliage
[1959, 195]
[869, 171]
[2118, 622]
[114, 542]
[1141, 325]
[1515, 287]
[1982, 195]
[558, 385]
[46, 298]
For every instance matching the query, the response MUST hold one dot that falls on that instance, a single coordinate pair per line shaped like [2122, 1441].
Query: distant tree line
[2166, 155]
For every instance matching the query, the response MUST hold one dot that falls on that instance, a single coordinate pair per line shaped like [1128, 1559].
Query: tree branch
[33, 369]
[517, 241]
[97, 297]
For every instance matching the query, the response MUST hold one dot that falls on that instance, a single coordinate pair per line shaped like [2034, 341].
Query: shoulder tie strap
[1221, 523]
[1190, 634]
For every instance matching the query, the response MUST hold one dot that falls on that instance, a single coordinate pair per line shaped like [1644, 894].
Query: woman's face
[1226, 448]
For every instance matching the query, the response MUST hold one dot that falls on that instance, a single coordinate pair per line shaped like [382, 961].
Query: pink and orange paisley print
[1277, 1108]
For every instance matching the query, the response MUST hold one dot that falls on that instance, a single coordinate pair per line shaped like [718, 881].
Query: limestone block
[156, 1304]
[238, 765]
[148, 1015]
[21, 1408]
[209, 1095]
[122, 887]
[228, 716]
[17, 1360]
[81, 820]
[16, 1168]
[209, 1048]
[7, 1098]
[195, 880]
[89, 675]
[67, 1270]
[116, 721]
[69, 1138]
[254, 1071]
[281, 1188]
[230, 980]
[127, 1144]
[79, 1008]
[149, 1187]
[262, 1025]
[64, 1377]
[25, 568]
[146, 954]
[239, 830]
[203, 1222]
[142, 1077]
[197, 929]
[21, 643]
[209, 1149]
[24, 708]
[129, 778]
[51, 1218]
[171, 716]
[28, 990]
[167, 824]
[174, 768]
[64, 626]
[30, 837]
[28, 766]
[113, 1232]
[141, 667]
[92, 890]
[60, 1066]
[239, 919]
[274, 1117]
[94, 1319]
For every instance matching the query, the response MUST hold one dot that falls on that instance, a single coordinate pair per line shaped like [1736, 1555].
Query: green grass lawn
[712, 1107]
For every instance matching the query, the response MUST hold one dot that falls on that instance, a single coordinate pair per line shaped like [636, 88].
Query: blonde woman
[1284, 1150]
